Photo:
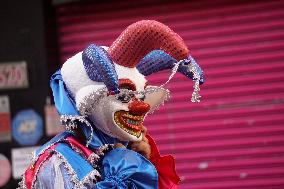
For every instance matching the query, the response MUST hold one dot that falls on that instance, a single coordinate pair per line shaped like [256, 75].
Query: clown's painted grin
[132, 124]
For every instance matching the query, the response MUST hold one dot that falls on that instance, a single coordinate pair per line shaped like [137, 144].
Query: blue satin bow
[125, 168]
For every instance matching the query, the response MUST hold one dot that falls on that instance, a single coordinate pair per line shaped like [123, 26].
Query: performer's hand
[142, 146]
[119, 145]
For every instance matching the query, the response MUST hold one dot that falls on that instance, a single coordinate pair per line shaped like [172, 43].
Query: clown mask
[109, 87]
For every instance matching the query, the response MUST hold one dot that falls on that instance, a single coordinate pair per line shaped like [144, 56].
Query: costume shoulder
[62, 157]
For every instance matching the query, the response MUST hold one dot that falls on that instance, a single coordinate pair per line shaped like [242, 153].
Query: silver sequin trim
[89, 103]
[69, 122]
[93, 159]
[22, 183]
[174, 71]
[88, 179]
[195, 97]
[157, 106]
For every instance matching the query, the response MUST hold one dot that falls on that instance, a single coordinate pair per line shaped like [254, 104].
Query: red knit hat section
[140, 38]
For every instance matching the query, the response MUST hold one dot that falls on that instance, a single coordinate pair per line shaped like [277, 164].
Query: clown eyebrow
[127, 83]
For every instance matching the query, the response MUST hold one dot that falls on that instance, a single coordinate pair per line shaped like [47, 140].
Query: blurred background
[233, 138]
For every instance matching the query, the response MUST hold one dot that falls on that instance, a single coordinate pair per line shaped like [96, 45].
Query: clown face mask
[121, 115]
[118, 115]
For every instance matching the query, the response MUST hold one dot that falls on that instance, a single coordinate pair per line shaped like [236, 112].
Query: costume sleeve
[53, 175]
[123, 168]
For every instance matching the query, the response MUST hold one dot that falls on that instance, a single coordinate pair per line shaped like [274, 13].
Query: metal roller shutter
[234, 138]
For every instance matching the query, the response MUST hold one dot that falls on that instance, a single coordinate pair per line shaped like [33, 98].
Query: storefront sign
[27, 127]
[21, 159]
[52, 121]
[13, 75]
[5, 119]
[5, 170]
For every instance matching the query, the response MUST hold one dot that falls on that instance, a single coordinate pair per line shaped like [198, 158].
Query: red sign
[52, 121]
[5, 119]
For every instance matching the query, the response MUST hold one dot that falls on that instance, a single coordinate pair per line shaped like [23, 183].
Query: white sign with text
[21, 159]
[13, 75]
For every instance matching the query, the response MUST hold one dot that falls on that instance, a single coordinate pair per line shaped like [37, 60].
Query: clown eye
[142, 97]
[124, 98]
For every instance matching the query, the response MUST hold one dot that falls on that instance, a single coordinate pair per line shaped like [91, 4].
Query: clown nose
[137, 107]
